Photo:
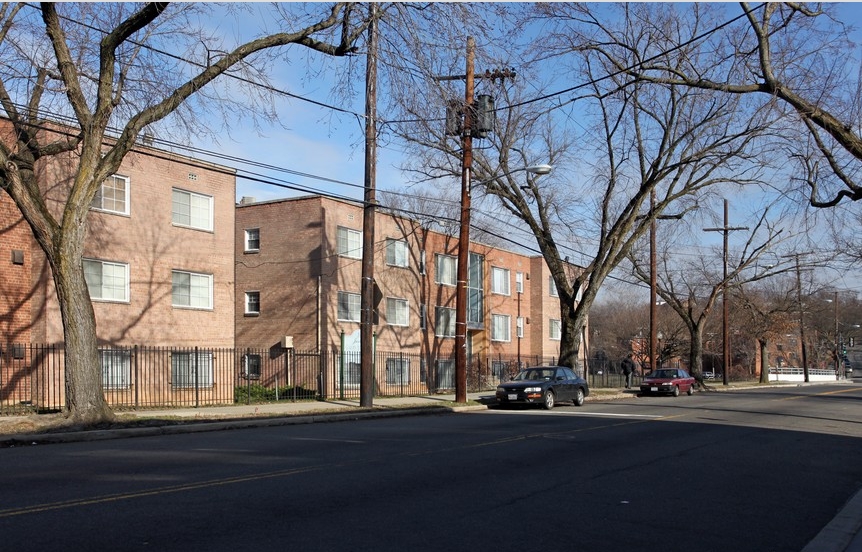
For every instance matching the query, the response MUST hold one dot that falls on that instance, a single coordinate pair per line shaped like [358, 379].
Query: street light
[463, 272]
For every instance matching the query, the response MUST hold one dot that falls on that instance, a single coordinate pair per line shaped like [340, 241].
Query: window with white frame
[252, 303]
[192, 290]
[422, 262]
[396, 253]
[349, 305]
[501, 327]
[444, 322]
[348, 243]
[397, 311]
[552, 287]
[446, 268]
[555, 326]
[500, 280]
[116, 368]
[397, 371]
[519, 326]
[107, 281]
[113, 195]
[190, 370]
[252, 239]
[423, 317]
[192, 210]
[519, 282]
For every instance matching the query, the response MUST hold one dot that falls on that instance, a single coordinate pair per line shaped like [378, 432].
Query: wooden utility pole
[463, 271]
[725, 333]
[464, 234]
[366, 321]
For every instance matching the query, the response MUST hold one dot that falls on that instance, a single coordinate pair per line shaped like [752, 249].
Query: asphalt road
[741, 471]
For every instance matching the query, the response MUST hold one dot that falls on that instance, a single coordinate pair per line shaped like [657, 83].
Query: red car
[668, 381]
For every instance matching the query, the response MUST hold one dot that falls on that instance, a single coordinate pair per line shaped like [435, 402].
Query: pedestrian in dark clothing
[628, 366]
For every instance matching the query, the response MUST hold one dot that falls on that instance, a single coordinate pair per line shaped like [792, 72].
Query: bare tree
[796, 57]
[692, 287]
[771, 308]
[633, 140]
[96, 76]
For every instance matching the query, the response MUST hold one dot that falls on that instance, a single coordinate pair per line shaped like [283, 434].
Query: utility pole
[801, 320]
[653, 293]
[724, 304]
[464, 235]
[366, 321]
[463, 271]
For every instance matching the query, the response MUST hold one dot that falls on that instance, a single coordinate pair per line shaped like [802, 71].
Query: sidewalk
[842, 534]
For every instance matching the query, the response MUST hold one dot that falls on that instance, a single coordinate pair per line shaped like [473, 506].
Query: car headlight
[501, 390]
[533, 390]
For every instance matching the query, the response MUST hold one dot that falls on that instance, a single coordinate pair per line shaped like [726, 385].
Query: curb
[240, 423]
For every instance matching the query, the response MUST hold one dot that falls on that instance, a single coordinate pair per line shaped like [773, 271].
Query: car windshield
[535, 374]
[663, 374]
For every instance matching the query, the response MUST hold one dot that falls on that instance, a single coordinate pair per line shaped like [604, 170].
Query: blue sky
[322, 143]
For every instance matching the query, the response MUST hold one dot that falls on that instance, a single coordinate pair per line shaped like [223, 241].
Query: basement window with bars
[116, 368]
[191, 370]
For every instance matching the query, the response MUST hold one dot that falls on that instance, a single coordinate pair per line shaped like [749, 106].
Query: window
[476, 292]
[499, 280]
[445, 374]
[252, 303]
[113, 195]
[192, 210]
[349, 305]
[251, 366]
[349, 243]
[422, 263]
[349, 372]
[423, 317]
[446, 269]
[397, 371]
[554, 327]
[190, 370]
[552, 287]
[116, 368]
[397, 312]
[519, 326]
[107, 281]
[519, 282]
[396, 253]
[500, 327]
[444, 322]
[192, 290]
[252, 239]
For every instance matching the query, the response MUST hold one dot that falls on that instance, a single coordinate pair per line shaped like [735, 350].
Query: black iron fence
[32, 377]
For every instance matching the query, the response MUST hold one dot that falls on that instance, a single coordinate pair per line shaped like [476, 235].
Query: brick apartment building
[185, 283]
[159, 267]
[298, 274]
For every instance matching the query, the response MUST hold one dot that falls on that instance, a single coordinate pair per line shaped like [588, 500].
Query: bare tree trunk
[764, 360]
[572, 322]
[85, 402]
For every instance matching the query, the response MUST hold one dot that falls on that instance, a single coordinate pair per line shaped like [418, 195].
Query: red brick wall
[16, 286]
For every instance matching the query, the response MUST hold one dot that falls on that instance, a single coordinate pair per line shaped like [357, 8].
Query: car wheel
[579, 397]
[676, 391]
[690, 391]
[548, 399]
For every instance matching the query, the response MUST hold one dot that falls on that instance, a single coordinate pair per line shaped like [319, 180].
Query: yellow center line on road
[835, 392]
[37, 508]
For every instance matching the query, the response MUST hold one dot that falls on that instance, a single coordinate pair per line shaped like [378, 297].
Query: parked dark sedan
[669, 381]
[545, 385]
